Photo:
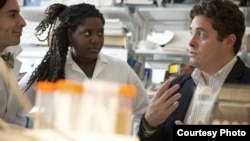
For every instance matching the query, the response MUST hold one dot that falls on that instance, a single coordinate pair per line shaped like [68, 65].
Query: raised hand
[162, 104]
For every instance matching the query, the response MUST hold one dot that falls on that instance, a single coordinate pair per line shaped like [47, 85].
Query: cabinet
[175, 19]
[149, 19]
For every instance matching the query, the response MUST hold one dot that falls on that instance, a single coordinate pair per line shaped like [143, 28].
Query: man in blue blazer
[217, 28]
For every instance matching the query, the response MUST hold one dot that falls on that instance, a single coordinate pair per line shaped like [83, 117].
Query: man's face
[205, 50]
[11, 24]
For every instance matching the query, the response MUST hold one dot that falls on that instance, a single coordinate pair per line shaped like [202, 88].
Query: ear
[229, 41]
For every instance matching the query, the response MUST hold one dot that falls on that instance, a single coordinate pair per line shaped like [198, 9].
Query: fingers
[178, 122]
[165, 100]
[163, 104]
[158, 114]
[169, 92]
[171, 105]
[163, 88]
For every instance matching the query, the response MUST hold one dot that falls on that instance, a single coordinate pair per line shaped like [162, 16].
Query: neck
[207, 74]
[205, 77]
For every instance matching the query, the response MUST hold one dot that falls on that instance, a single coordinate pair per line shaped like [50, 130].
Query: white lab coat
[107, 68]
[10, 109]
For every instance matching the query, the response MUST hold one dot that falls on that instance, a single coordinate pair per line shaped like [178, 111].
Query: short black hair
[2, 3]
[226, 18]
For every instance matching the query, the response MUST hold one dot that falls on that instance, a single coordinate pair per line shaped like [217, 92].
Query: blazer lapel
[235, 75]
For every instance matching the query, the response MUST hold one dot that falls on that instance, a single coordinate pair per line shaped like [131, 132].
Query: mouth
[192, 53]
[94, 50]
[19, 34]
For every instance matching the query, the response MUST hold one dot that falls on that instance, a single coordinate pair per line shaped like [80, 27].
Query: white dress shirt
[205, 95]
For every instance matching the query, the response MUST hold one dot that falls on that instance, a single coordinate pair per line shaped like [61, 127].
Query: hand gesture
[162, 104]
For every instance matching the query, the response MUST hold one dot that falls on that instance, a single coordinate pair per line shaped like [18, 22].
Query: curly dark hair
[52, 65]
[226, 18]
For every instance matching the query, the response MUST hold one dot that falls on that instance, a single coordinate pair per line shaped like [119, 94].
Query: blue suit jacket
[240, 74]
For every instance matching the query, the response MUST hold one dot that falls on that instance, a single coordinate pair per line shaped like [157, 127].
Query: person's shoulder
[2, 81]
[240, 64]
[112, 59]
[247, 73]
[248, 69]
[4, 87]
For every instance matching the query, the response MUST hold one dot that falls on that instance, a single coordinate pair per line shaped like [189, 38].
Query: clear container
[67, 102]
[44, 117]
[98, 112]
[125, 109]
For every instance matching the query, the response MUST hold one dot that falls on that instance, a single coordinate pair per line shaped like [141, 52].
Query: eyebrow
[13, 11]
[199, 29]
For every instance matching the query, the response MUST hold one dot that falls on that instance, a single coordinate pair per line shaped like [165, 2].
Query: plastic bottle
[67, 100]
[98, 112]
[125, 109]
[44, 117]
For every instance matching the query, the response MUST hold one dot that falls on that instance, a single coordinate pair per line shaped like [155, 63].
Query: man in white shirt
[11, 26]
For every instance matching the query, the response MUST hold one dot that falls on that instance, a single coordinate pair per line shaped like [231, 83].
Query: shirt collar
[100, 58]
[16, 50]
[219, 76]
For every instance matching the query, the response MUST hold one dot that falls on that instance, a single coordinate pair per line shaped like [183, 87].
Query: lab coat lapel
[100, 65]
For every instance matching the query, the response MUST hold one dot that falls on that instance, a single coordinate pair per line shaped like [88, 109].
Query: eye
[87, 33]
[12, 15]
[202, 35]
[100, 33]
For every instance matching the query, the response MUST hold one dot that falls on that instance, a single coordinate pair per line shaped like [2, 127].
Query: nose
[192, 42]
[21, 21]
[95, 39]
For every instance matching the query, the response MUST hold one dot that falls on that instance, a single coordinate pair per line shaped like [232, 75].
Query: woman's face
[87, 40]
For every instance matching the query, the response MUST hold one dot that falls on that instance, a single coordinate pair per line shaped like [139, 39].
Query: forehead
[91, 22]
[10, 5]
[201, 22]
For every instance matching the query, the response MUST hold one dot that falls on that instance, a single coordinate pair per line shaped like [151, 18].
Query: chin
[14, 43]
[192, 61]
[93, 56]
